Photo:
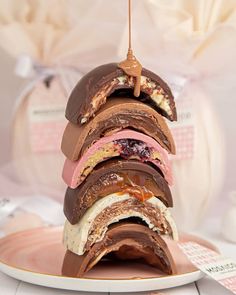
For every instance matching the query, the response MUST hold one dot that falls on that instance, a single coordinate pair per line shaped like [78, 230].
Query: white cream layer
[76, 236]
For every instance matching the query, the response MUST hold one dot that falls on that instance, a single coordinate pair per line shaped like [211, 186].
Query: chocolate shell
[95, 87]
[126, 241]
[115, 115]
[127, 144]
[139, 179]
[113, 208]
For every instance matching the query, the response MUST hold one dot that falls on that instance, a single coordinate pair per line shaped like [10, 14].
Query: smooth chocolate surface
[115, 115]
[138, 179]
[126, 241]
[95, 87]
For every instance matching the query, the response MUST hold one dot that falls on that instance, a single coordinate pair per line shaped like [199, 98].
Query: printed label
[46, 115]
[46, 110]
[218, 267]
[183, 129]
[46, 128]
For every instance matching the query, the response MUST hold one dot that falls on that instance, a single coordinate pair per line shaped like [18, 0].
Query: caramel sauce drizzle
[139, 192]
[131, 66]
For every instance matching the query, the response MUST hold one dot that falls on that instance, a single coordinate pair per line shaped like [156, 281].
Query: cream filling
[76, 236]
[110, 150]
[157, 95]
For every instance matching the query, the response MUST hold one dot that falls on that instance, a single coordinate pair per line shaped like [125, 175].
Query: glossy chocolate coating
[84, 100]
[113, 176]
[115, 115]
[126, 241]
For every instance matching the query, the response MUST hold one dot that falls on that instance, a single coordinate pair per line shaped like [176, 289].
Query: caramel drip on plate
[131, 66]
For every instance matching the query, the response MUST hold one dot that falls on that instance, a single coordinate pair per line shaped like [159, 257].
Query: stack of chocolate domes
[118, 171]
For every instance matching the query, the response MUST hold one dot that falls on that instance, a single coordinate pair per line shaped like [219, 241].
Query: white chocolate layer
[76, 236]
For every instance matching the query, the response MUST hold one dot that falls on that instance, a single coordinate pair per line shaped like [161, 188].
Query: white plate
[36, 256]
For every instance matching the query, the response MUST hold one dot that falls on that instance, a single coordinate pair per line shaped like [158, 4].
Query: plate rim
[96, 285]
[101, 285]
[197, 271]
[136, 284]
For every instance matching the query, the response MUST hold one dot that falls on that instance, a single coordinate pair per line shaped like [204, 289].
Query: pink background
[225, 105]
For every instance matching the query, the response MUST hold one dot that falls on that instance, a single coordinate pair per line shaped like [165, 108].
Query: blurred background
[46, 46]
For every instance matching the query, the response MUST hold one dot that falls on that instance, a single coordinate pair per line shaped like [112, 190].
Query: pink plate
[36, 256]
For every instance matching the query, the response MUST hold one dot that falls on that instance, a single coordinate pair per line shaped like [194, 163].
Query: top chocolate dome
[92, 91]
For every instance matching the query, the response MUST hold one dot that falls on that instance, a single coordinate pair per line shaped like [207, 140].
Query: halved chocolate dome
[116, 114]
[127, 144]
[114, 208]
[127, 241]
[95, 87]
[139, 179]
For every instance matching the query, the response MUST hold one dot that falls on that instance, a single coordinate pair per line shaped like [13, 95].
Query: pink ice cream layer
[72, 171]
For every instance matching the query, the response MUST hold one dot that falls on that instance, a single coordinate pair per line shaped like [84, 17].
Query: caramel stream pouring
[131, 66]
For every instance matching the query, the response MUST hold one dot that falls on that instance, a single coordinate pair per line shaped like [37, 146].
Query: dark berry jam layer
[133, 147]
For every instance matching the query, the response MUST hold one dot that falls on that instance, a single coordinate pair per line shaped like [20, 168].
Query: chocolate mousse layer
[136, 178]
[115, 115]
[95, 87]
[126, 241]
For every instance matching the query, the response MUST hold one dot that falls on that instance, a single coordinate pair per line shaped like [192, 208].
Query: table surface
[206, 286]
